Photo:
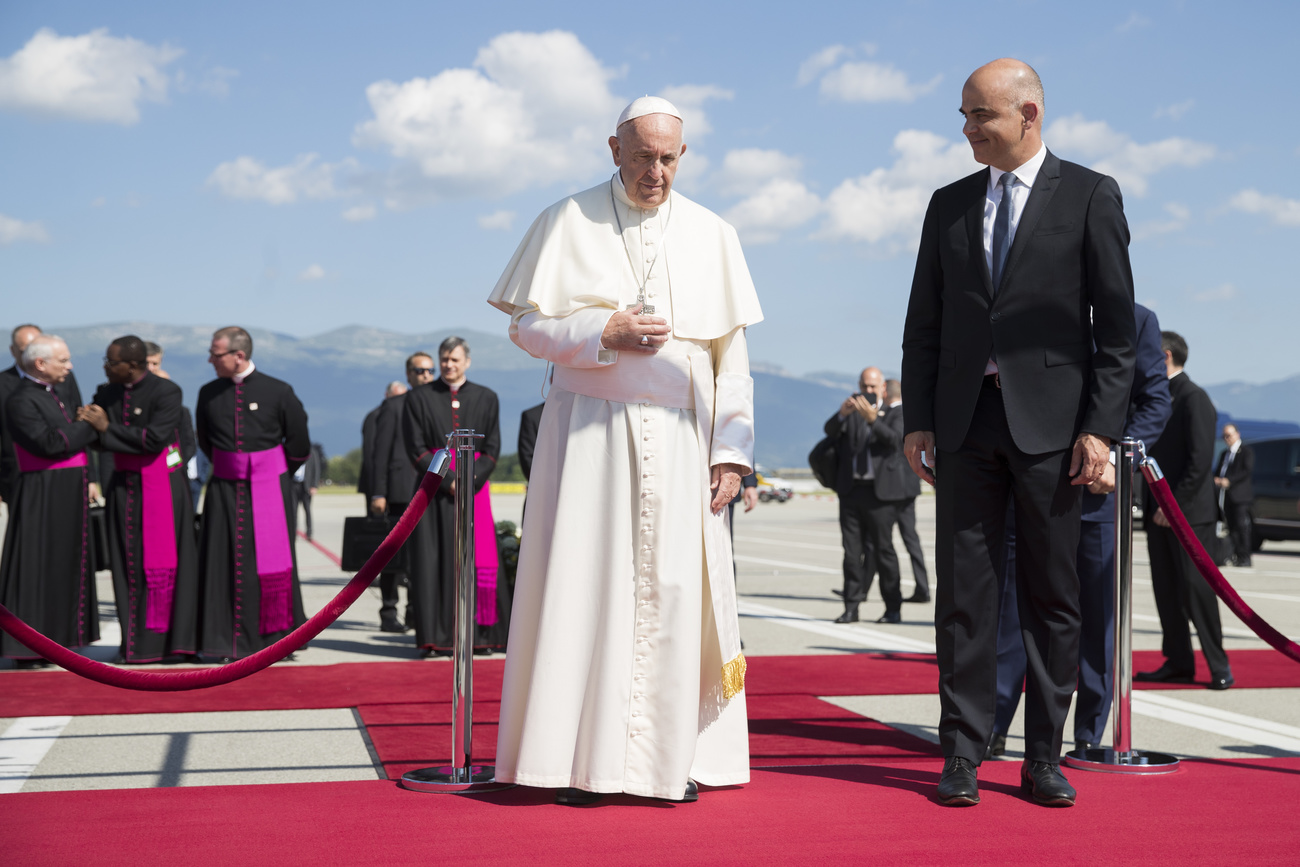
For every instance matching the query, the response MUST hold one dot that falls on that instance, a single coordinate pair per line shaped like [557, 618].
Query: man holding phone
[871, 484]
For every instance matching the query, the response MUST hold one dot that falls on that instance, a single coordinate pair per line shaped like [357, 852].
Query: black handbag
[824, 460]
[97, 520]
[362, 536]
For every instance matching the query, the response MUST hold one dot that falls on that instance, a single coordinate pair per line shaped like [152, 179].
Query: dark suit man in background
[870, 483]
[1018, 355]
[1185, 453]
[395, 482]
[306, 481]
[1148, 411]
[907, 514]
[1236, 495]
[529, 422]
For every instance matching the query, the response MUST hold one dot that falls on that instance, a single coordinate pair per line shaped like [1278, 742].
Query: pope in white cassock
[625, 672]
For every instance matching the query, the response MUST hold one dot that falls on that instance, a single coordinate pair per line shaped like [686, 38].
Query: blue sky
[304, 166]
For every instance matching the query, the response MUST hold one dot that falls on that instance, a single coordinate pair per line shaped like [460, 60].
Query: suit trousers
[912, 542]
[974, 485]
[389, 581]
[867, 529]
[1237, 517]
[1181, 593]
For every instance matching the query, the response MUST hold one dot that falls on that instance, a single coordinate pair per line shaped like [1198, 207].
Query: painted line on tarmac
[1252, 730]
[782, 543]
[861, 636]
[22, 747]
[802, 567]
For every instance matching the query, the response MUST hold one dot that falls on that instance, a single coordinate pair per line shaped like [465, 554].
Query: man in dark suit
[1186, 455]
[871, 484]
[395, 481]
[1148, 411]
[1236, 493]
[1018, 355]
[907, 513]
[529, 423]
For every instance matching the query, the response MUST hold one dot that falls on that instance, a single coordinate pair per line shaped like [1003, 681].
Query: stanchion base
[1112, 762]
[454, 781]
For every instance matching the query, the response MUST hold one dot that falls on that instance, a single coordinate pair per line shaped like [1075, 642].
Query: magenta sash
[157, 533]
[262, 471]
[486, 560]
[30, 463]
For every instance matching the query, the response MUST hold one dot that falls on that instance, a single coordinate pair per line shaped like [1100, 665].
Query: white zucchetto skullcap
[647, 105]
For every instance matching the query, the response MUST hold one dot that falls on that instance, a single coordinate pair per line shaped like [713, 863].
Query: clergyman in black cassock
[148, 495]
[243, 418]
[68, 391]
[47, 570]
[431, 413]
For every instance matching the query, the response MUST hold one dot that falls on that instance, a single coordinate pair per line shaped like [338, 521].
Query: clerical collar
[130, 385]
[42, 383]
[240, 377]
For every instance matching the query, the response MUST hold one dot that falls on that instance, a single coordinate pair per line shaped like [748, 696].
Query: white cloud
[690, 99]
[1116, 154]
[1224, 292]
[13, 230]
[1177, 110]
[98, 202]
[778, 205]
[822, 60]
[497, 220]
[887, 205]
[1135, 21]
[312, 272]
[248, 178]
[1178, 215]
[1284, 212]
[747, 168]
[360, 213]
[92, 77]
[534, 111]
[868, 81]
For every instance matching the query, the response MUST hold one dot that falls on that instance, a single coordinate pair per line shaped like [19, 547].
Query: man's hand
[92, 492]
[724, 482]
[1221, 482]
[1160, 519]
[95, 415]
[751, 498]
[1106, 483]
[913, 445]
[378, 505]
[859, 404]
[1090, 458]
[625, 330]
[311, 491]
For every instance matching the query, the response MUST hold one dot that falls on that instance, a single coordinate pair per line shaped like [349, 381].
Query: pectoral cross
[646, 309]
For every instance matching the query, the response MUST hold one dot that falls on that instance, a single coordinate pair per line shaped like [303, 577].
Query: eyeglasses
[108, 362]
[427, 371]
[222, 354]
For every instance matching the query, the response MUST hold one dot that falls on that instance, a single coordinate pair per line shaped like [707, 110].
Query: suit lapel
[975, 229]
[1039, 197]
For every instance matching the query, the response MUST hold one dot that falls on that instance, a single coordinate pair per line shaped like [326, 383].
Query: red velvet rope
[158, 681]
[1205, 564]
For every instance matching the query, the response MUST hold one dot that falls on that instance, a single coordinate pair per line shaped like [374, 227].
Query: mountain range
[341, 375]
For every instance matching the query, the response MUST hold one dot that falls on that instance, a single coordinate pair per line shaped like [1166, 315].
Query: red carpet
[1209, 813]
[353, 684]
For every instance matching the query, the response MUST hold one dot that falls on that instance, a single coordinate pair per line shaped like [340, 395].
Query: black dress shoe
[839, 593]
[997, 746]
[1047, 784]
[1222, 681]
[890, 617]
[958, 786]
[31, 664]
[1165, 674]
[1082, 746]
[918, 597]
[692, 793]
[391, 624]
[570, 797]
[849, 616]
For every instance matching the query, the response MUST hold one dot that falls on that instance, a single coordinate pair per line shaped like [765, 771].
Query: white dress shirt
[1025, 177]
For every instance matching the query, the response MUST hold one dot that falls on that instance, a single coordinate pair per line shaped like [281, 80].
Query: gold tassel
[733, 677]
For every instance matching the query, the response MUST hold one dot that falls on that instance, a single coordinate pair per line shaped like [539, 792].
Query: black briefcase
[98, 530]
[361, 536]
[824, 461]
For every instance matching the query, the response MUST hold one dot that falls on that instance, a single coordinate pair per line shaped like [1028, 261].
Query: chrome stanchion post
[1121, 757]
[462, 775]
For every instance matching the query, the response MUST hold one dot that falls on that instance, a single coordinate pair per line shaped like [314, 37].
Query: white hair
[40, 347]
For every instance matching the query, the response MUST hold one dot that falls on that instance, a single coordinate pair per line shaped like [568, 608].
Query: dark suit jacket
[1240, 489]
[1061, 373]
[395, 475]
[1148, 406]
[365, 480]
[884, 441]
[529, 422]
[1185, 452]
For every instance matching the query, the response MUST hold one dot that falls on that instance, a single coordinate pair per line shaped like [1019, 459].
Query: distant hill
[340, 376]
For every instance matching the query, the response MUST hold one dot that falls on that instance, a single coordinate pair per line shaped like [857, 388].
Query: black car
[1276, 480]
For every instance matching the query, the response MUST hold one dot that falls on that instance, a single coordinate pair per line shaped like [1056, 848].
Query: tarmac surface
[788, 560]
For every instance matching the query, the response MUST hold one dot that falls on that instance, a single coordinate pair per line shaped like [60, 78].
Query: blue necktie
[1002, 229]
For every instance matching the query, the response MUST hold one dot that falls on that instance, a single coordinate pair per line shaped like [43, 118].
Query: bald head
[1002, 102]
[20, 337]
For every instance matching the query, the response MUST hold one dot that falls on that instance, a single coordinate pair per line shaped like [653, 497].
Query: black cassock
[146, 419]
[10, 379]
[47, 571]
[430, 414]
[259, 414]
